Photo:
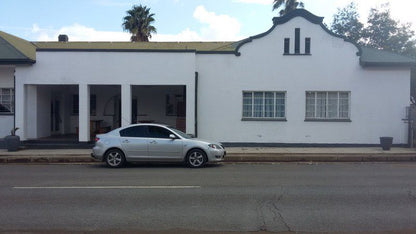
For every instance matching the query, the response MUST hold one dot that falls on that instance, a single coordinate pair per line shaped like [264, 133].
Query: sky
[175, 20]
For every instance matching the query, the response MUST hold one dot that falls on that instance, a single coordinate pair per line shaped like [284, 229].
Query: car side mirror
[173, 137]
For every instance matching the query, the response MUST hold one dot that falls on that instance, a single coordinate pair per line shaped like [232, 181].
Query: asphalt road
[286, 197]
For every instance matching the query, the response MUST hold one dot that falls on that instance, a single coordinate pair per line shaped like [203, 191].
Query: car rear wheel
[196, 158]
[115, 158]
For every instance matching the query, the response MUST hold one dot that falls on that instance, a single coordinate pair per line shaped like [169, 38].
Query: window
[327, 105]
[158, 132]
[264, 105]
[6, 101]
[136, 131]
[75, 104]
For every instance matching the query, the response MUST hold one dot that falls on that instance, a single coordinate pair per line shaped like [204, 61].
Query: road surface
[267, 197]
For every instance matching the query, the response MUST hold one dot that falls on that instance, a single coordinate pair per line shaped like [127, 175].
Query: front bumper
[216, 155]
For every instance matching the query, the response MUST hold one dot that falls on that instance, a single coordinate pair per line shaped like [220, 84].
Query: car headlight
[214, 146]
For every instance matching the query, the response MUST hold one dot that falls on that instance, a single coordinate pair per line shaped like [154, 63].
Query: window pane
[158, 132]
[310, 104]
[269, 104]
[136, 131]
[258, 104]
[321, 104]
[280, 105]
[332, 105]
[247, 104]
[6, 100]
[343, 105]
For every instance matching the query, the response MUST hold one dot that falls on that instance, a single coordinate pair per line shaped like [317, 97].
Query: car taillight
[97, 139]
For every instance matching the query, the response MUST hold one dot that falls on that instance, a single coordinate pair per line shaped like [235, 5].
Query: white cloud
[77, 32]
[219, 27]
[185, 35]
[213, 28]
[262, 2]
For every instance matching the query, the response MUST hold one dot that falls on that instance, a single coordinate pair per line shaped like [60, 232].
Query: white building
[297, 83]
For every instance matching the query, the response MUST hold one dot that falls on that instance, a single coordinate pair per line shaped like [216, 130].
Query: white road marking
[111, 187]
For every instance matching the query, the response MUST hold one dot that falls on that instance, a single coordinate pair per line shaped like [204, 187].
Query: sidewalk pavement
[234, 154]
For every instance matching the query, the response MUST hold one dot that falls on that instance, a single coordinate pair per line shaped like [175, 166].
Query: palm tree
[138, 22]
[289, 5]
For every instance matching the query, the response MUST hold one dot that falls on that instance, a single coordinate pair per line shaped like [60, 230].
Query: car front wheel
[115, 158]
[196, 158]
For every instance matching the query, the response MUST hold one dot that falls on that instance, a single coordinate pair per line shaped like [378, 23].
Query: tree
[346, 23]
[383, 32]
[138, 22]
[289, 5]
[380, 32]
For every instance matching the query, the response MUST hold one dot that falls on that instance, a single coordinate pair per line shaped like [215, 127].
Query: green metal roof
[142, 46]
[14, 50]
[375, 57]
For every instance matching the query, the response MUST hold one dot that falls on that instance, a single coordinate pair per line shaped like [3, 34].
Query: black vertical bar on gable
[307, 45]
[287, 46]
[297, 40]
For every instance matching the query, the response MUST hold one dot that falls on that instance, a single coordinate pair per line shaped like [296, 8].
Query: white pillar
[32, 111]
[190, 109]
[20, 115]
[84, 113]
[125, 105]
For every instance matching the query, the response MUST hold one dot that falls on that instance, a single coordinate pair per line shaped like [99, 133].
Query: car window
[158, 132]
[135, 131]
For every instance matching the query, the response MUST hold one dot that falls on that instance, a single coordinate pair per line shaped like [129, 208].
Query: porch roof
[375, 57]
[14, 50]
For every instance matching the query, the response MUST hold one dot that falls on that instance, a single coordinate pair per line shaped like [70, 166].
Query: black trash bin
[386, 142]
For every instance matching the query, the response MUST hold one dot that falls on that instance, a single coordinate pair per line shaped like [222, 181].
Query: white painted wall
[378, 96]
[6, 81]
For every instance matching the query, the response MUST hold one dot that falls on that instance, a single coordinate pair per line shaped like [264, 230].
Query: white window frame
[10, 102]
[326, 117]
[263, 112]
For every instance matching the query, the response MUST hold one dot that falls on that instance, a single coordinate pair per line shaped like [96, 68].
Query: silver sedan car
[154, 142]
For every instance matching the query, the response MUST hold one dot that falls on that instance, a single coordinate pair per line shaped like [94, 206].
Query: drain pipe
[196, 104]
[14, 98]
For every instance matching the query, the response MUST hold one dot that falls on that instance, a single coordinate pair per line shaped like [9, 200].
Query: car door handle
[153, 142]
[125, 141]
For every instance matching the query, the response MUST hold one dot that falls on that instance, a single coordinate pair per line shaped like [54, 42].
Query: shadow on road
[155, 165]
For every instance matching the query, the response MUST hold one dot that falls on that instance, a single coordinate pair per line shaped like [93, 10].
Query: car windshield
[180, 133]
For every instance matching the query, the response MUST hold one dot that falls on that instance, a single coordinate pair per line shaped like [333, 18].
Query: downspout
[196, 104]
[14, 98]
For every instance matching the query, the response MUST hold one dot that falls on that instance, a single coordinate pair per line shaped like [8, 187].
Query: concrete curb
[232, 157]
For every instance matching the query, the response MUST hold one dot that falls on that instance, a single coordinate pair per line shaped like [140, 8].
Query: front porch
[76, 113]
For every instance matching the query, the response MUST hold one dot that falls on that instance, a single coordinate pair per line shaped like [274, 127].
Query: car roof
[146, 124]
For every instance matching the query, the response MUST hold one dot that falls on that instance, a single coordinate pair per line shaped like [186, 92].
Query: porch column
[190, 108]
[32, 111]
[84, 113]
[125, 105]
[19, 112]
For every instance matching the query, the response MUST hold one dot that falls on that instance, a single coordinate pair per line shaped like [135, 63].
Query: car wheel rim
[196, 159]
[114, 159]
